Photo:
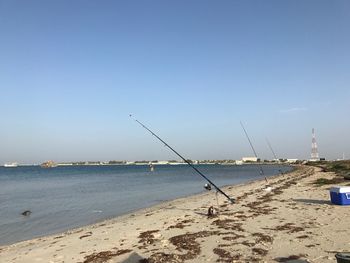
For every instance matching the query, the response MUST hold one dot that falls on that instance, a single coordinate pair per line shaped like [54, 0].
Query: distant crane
[314, 150]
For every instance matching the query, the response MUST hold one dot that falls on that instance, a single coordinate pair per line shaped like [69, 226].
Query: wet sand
[295, 222]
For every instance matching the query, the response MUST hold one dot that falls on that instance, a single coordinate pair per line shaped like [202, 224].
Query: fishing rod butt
[232, 200]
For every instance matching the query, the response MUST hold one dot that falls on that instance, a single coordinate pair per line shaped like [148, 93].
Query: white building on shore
[250, 159]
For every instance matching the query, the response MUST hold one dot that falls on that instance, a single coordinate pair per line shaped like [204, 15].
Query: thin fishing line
[251, 145]
[273, 152]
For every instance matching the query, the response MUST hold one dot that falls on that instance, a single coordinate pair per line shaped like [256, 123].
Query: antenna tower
[314, 151]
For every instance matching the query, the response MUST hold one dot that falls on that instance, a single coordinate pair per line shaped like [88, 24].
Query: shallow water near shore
[63, 198]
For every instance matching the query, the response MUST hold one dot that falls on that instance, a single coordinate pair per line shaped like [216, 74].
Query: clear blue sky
[72, 71]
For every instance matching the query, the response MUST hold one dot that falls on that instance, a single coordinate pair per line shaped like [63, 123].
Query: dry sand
[294, 223]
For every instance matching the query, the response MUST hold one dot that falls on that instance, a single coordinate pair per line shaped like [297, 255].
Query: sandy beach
[295, 222]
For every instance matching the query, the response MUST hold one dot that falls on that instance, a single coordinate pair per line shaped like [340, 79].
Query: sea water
[66, 197]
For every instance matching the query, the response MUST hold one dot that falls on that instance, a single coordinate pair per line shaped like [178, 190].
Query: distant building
[163, 162]
[292, 160]
[64, 164]
[250, 159]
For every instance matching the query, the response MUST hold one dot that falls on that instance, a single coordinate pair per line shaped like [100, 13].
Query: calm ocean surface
[62, 198]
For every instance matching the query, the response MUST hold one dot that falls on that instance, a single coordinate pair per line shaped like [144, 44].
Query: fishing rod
[232, 200]
[251, 145]
[273, 152]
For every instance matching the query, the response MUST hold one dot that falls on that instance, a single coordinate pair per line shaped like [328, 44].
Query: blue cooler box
[340, 195]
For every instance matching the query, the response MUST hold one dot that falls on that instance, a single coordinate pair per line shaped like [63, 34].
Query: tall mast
[314, 151]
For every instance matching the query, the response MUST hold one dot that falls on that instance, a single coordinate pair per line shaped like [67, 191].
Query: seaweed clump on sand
[184, 243]
[289, 227]
[260, 237]
[147, 238]
[225, 256]
[181, 224]
[259, 251]
[103, 256]
[228, 224]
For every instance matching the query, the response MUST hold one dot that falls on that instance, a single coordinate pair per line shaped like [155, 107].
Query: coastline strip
[296, 221]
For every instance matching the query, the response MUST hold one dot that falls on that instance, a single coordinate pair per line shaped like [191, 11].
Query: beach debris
[187, 242]
[184, 243]
[248, 244]
[260, 237]
[181, 224]
[268, 189]
[26, 213]
[165, 242]
[231, 236]
[289, 227]
[259, 251]
[207, 186]
[87, 234]
[147, 238]
[228, 224]
[226, 256]
[104, 256]
[161, 257]
[303, 236]
[212, 211]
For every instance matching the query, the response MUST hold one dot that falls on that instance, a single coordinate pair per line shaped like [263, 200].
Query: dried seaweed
[290, 227]
[147, 238]
[228, 224]
[184, 243]
[225, 256]
[181, 224]
[260, 237]
[260, 251]
[104, 256]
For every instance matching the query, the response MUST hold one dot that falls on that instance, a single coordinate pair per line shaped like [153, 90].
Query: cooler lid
[343, 255]
[340, 189]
